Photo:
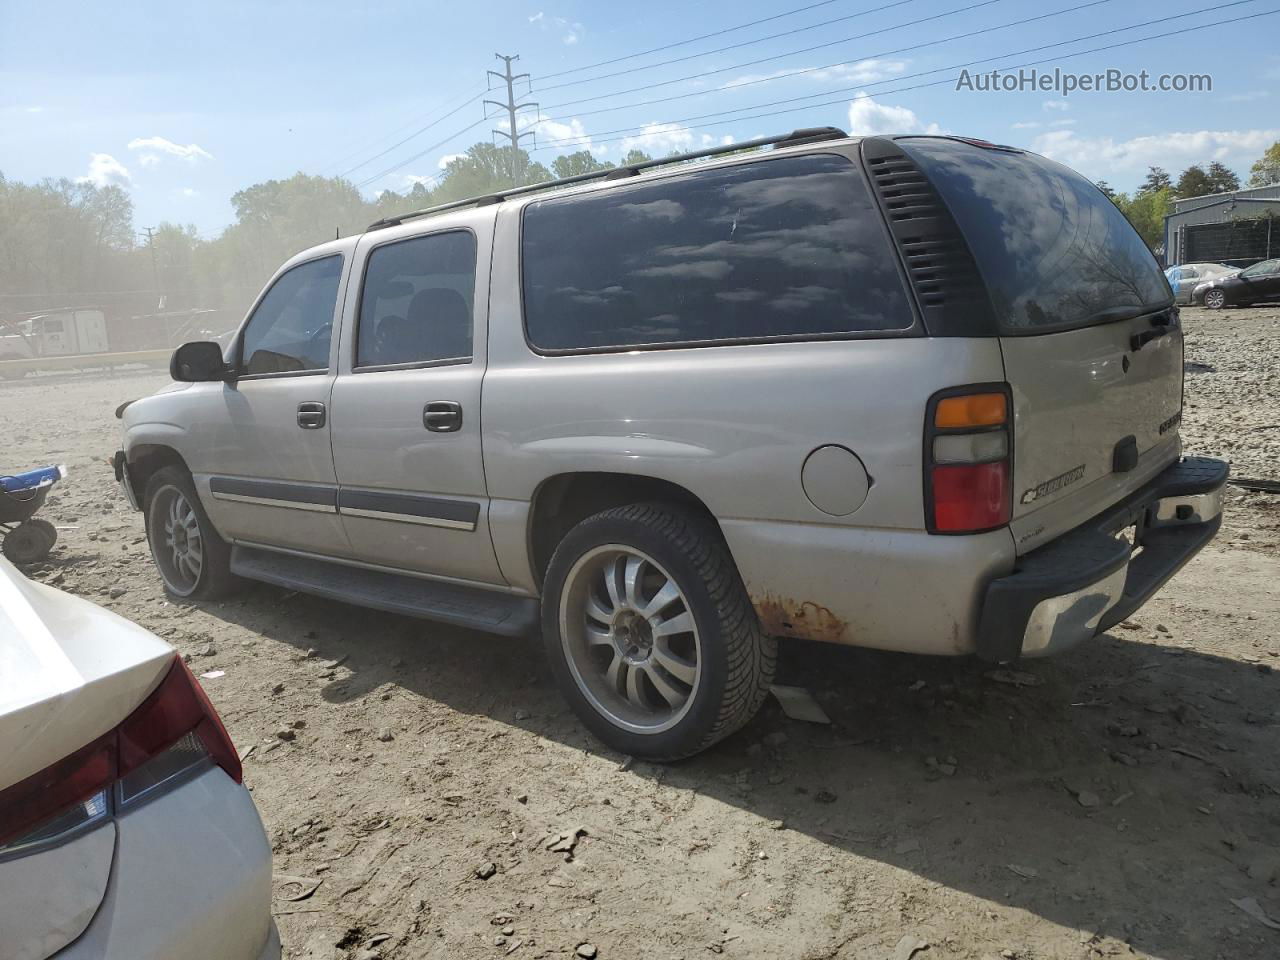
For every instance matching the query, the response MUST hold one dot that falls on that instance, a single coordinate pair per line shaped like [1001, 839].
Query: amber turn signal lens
[972, 410]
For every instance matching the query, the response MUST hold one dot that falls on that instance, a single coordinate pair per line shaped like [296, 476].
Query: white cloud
[104, 171]
[537, 17]
[1056, 105]
[660, 139]
[444, 161]
[148, 159]
[1248, 96]
[573, 130]
[1105, 157]
[1063, 123]
[1026, 124]
[33, 109]
[868, 118]
[864, 71]
[192, 152]
[189, 192]
[570, 30]
[572, 35]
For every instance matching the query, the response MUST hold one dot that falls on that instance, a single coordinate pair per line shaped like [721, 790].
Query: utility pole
[155, 271]
[511, 107]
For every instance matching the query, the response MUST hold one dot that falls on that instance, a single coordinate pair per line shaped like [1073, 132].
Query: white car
[125, 832]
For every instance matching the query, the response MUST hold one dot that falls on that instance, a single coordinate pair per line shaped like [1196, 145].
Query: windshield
[1054, 251]
[1261, 269]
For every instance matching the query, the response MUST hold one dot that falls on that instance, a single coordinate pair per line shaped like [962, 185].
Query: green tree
[1105, 187]
[1266, 170]
[576, 164]
[1222, 178]
[1157, 179]
[1146, 210]
[486, 168]
[635, 156]
[1194, 182]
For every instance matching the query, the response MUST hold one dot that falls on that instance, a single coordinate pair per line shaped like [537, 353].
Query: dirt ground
[1114, 807]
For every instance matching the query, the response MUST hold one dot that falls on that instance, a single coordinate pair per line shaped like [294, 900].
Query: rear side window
[416, 304]
[292, 326]
[788, 248]
[1054, 251]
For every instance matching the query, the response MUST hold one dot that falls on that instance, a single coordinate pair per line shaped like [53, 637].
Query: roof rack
[794, 138]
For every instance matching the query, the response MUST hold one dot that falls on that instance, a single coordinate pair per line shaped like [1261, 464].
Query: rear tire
[650, 633]
[193, 561]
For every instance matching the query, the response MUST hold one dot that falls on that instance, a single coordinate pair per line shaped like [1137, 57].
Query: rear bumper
[191, 879]
[1087, 581]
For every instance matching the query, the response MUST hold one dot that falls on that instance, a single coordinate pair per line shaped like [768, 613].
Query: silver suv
[913, 393]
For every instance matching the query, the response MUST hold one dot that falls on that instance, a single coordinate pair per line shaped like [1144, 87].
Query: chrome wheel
[630, 639]
[1215, 299]
[176, 541]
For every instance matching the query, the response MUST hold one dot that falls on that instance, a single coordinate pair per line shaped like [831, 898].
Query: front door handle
[442, 416]
[311, 415]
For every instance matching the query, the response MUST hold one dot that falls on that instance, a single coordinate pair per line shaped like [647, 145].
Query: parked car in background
[125, 832]
[1184, 277]
[836, 391]
[1259, 283]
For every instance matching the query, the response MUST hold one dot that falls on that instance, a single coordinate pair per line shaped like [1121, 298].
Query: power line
[772, 36]
[925, 73]
[422, 153]
[417, 133]
[359, 150]
[682, 43]
[842, 63]
[782, 56]
[625, 133]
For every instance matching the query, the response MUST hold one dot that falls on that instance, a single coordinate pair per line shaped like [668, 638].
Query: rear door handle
[311, 415]
[442, 416]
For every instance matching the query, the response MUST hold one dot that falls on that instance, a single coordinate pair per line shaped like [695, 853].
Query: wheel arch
[145, 459]
[563, 500]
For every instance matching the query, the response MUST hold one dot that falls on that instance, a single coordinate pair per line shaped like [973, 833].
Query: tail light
[173, 731]
[968, 459]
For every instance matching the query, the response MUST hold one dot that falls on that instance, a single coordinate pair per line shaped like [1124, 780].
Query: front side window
[291, 329]
[416, 306]
[785, 248]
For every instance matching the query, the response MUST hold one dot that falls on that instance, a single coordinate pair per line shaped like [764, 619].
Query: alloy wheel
[630, 638]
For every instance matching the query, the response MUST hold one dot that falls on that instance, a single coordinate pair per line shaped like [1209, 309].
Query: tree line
[1147, 206]
[65, 243]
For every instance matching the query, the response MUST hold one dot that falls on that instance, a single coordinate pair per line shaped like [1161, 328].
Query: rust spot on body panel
[801, 619]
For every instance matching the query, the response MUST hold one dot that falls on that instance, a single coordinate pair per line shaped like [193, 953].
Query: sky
[185, 103]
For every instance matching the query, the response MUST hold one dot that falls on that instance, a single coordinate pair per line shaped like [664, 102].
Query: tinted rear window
[1054, 251]
[782, 248]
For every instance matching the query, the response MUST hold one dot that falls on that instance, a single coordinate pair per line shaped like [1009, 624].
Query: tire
[1215, 299]
[670, 681]
[196, 565]
[30, 541]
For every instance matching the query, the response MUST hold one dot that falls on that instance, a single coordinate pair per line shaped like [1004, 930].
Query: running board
[473, 607]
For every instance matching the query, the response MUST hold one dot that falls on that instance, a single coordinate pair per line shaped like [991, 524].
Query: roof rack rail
[794, 138]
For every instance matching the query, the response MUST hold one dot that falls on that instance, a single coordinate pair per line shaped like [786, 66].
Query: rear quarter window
[1054, 252]
[788, 248]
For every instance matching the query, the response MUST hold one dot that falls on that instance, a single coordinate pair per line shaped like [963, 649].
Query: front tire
[193, 561]
[650, 633]
[1215, 299]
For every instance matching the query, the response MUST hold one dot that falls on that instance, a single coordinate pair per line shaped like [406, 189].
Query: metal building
[1238, 228]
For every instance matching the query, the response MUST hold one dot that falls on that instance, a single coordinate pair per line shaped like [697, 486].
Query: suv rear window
[1054, 251]
[787, 248]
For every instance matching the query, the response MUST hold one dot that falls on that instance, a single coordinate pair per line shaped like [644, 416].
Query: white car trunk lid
[69, 672]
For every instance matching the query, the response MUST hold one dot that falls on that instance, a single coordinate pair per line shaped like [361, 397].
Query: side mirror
[198, 362]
